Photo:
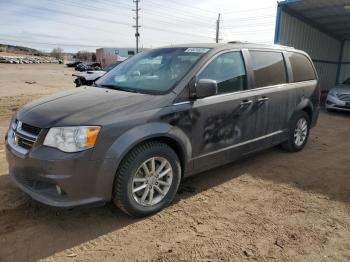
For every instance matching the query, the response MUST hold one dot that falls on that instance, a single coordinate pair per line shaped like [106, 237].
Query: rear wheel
[298, 133]
[147, 179]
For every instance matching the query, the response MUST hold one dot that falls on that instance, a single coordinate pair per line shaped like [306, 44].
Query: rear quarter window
[302, 68]
[269, 68]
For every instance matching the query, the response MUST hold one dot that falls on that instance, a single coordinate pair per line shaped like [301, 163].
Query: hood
[344, 89]
[90, 75]
[86, 106]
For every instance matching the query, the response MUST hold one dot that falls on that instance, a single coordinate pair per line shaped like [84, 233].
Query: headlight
[72, 139]
[332, 93]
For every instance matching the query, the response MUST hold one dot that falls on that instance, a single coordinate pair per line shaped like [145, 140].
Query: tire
[292, 144]
[77, 82]
[132, 169]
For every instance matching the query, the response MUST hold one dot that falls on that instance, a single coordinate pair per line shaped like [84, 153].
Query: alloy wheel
[152, 181]
[300, 132]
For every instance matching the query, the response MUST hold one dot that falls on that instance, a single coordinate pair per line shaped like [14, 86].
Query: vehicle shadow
[313, 175]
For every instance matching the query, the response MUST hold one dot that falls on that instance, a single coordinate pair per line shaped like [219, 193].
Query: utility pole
[217, 29]
[137, 26]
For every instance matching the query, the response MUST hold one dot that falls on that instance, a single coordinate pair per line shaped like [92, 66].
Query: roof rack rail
[267, 44]
[236, 42]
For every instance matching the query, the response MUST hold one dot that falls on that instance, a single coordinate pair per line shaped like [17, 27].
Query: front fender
[145, 132]
[135, 136]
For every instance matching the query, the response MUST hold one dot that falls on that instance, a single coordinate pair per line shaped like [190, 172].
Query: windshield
[154, 71]
[347, 82]
[111, 66]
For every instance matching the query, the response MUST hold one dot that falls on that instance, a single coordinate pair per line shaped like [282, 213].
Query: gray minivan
[160, 116]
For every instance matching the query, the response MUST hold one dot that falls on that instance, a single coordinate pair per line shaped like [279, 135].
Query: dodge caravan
[160, 116]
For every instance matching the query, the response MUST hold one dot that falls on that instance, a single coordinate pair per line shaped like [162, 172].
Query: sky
[87, 25]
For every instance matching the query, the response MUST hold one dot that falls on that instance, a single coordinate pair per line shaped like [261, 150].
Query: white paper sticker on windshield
[197, 50]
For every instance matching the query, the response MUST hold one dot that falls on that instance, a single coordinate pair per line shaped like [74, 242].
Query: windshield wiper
[115, 87]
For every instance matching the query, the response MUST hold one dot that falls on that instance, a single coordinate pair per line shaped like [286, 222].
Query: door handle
[262, 99]
[246, 103]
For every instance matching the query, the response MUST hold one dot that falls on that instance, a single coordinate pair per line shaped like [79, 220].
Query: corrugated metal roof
[296, 33]
[332, 16]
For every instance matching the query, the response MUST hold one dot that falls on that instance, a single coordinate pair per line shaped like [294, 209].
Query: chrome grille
[344, 97]
[23, 136]
[31, 129]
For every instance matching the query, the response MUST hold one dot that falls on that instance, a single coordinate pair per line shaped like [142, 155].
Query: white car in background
[88, 78]
[339, 97]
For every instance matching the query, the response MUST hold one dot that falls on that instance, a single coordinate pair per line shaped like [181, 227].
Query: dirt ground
[270, 206]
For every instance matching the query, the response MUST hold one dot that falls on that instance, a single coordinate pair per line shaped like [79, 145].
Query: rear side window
[301, 67]
[269, 68]
[229, 72]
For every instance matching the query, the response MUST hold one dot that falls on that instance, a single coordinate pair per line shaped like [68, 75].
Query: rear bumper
[60, 179]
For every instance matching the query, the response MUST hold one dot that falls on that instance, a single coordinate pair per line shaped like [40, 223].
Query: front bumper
[60, 179]
[334, 103]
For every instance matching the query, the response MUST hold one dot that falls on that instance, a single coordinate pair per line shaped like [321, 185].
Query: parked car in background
[89, 77]
[160, 116]
[28, 59]
[73, 64]
[338, 98]
[85, 66]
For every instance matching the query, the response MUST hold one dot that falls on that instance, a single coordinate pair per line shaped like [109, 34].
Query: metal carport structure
[321, 28]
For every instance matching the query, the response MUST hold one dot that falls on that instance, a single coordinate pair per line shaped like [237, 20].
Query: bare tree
[86, 56]
[57, 53]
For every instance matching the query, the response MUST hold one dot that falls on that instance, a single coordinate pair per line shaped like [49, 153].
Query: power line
[160, 10]
[193, 7]
[176, 18]
[227, 12]
[176, 32]
[49, 43]
[224, 30]
[249, 32]
[250, 18]
[126, 24]
[151, 16]
[185, 12]
[97, 29]
[250, 25]
[109, 20]
[248, 10]
[203, 23]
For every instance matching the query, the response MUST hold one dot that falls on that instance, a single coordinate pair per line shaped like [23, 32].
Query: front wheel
[147, 179]
[298, 133]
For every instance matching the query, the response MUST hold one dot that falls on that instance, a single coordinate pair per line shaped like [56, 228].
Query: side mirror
[206, 87]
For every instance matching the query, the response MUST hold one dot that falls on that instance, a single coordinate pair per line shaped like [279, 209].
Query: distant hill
[19, 50]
